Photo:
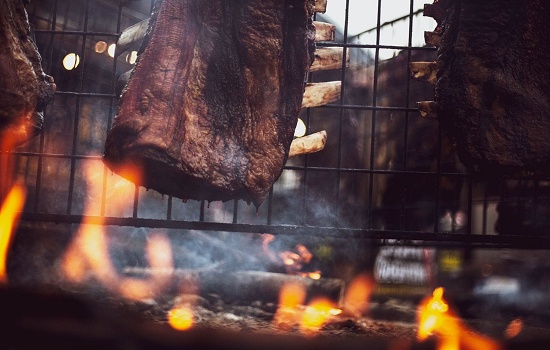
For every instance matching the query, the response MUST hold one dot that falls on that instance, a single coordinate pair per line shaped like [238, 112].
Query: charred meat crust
[24, 87]
[493, 89]
[210, 108]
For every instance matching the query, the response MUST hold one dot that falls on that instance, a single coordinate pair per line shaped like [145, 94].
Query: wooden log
[321, 6]
[424, 71]
[432, 38]
[320, 94]
[132, 37]
[248, 286]
[327, 58]
[324, 31]
[308, 144]
[427, 109]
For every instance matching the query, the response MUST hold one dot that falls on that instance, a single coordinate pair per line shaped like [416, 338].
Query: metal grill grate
[385, 173]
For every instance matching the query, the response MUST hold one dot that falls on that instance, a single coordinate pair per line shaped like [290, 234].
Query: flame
[293, 261]
[514, 328]
[292, 295]
[435, 317]
[357, 296]
[9, 214]
[181, 317]
[89, 251]
[316, 314]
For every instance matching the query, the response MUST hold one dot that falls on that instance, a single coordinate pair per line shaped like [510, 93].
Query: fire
[293, 261]
[181, 317]
[9, 214]
[89, 251]
[435, 317]
[514, 328]
[292, 295]
[316, 314]
[356, 299]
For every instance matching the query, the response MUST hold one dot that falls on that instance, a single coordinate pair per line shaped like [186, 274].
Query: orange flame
[293, 261]
[514, 328]
[181, 317]
[89, 251]
[357, 296]
[435, 317]
[292, 295]
[316, 314]
[9, 213]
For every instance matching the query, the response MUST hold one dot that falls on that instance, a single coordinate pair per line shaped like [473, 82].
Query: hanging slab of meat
[492, 82]
[24, 88]
[210, 108]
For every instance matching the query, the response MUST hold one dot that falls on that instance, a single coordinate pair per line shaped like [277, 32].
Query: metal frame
[38, 152]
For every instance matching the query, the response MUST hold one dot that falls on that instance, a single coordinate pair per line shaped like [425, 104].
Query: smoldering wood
[248, 286]
[320, 94]
[424, 71]
[308, 144]
[132, 37]
[327, 58]
[324, 31]
[493, 82]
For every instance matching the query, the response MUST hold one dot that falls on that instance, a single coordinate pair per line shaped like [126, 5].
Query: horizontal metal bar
[85, 94]
[374, 46]
[75, 32]
[408, 237]
[370, 108]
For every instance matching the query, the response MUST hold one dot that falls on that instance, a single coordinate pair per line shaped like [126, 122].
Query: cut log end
[320, 94]
[308, 144]
[424, 71]
[427, 109]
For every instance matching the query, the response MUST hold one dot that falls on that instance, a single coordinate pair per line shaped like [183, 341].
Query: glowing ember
[316, 315]
[293, 261]
[514, 328]
[181, 317]
[9, 214]
[435, 317]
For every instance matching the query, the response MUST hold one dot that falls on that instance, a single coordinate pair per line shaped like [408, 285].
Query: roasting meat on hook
[210, 108]
[492, 85]
[24, 88]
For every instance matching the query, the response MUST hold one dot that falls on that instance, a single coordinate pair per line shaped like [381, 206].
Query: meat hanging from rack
[210, 108]
[24, 87]
[492, 82]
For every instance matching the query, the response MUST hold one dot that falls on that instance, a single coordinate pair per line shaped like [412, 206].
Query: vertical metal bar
[438, 181]
[77, 109]
[235, 210]
[536, 188]
[109, 117]
[373, 115]
[485, 208]
[270, 206]
[406, 131]
[342, 100]
[41, 146]
[169, 209]
[201, 210]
